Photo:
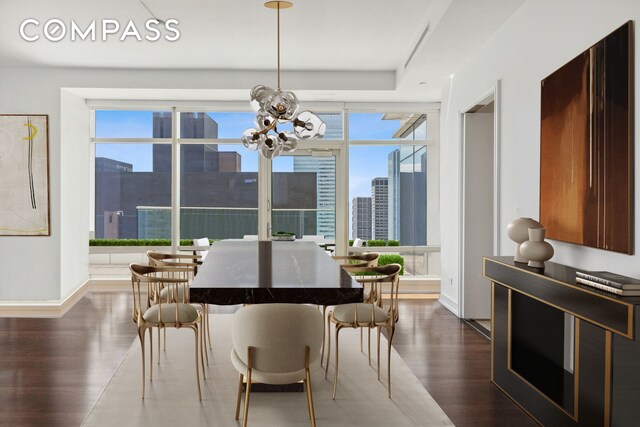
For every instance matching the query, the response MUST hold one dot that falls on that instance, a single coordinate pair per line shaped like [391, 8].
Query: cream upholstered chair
[202, 248]
[349, 263]
[373, 314]
[146, 281]
[187, 265]
[275, 344]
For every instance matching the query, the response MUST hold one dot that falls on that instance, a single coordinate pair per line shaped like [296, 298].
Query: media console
[567, 354]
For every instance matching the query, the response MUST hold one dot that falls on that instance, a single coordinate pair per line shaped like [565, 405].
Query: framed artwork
[24, 175]
[586, 146]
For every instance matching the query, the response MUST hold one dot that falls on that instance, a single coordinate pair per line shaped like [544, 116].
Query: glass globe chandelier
[275, 107]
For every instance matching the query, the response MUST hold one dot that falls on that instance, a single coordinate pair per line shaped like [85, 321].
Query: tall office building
[325, 170]
[394, 194]
[380, 208]
[361, 218]
[408, 195]
[193, 157]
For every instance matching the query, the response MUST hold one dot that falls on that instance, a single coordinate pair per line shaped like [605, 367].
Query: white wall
[538, 39]
[74, 223]
[30, 266]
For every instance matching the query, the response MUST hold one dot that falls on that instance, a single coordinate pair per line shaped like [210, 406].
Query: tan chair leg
[361, 348]
[390, 333]
[335, 378]
[326, 368]
[248, 386]
[246, 399]
[197, 370]
[307, 374]
[203, 351]
[151, 354]
[206, 310]
[141, 333]
[165, 345]
[239, 397]
[312, 413]
[324, 333]
[165, 340]
[368, 344]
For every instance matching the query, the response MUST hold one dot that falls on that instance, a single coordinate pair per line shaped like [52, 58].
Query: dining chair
[187, 264]
[373, 314]
[275, 344]
[146, 281]
[350, 262]
[201, 248]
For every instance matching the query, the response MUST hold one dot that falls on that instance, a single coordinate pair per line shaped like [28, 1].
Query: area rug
[171, 399]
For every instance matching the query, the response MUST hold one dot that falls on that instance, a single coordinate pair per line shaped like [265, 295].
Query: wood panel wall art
[586, 146]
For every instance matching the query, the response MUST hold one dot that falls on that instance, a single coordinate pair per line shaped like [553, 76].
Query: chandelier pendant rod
[278, 45]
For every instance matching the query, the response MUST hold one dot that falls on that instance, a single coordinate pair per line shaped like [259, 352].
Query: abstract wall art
[24, 175]
[586, 146]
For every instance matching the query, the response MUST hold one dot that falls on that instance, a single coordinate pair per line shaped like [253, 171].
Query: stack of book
[609, 282]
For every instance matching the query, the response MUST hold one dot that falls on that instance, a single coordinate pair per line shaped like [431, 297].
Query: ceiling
[317, 36]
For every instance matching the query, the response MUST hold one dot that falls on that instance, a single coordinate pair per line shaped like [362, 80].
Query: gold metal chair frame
[306, 381]
[349, 263]
[183, 261]
[151, 276]
[388, 274]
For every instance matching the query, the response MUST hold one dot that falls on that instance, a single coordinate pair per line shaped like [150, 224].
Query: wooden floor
[52, 371]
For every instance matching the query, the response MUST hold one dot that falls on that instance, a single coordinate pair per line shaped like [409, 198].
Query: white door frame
[495, 91]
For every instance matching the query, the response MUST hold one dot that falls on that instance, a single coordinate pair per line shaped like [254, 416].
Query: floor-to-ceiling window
[380, 196]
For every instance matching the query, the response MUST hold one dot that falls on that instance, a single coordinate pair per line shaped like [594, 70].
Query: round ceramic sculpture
[518, 231]
[536, 250]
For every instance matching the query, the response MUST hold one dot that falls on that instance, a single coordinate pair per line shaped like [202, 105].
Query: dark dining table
[258, 272]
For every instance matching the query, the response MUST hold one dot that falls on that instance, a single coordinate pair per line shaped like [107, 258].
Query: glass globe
[259, 95]
[248, 141]
[263, 120]
[308, 126]
[289, 142]
[282, 104]
[271, 151]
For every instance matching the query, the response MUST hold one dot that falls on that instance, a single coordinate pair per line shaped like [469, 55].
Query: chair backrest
[383, 276]
[148, 280]
[348, 262]
[169, 259]
[358, 243]
[279, 334]
[201, 243]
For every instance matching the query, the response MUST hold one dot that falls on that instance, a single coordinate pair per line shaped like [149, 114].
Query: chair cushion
[178, 293]
[346, 313]
[266, 377]
[186, 313]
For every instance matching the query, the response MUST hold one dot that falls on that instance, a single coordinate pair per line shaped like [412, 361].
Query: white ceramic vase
[518, 231]
[536, 250]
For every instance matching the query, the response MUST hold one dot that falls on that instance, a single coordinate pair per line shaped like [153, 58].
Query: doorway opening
[479, 207]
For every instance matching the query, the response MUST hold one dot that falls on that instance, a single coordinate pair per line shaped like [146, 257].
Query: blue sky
[365, 162]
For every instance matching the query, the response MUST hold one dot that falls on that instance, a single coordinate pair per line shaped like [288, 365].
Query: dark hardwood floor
[452, 361]
[52, 371]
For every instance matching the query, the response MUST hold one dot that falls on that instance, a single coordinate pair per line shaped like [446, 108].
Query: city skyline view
[366, 162]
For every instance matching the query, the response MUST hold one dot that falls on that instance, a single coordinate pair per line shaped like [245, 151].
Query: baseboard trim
[449, 304]
[44, 308]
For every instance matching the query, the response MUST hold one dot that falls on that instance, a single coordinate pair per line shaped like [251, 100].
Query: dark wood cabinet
[566, 353]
